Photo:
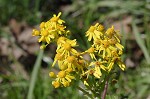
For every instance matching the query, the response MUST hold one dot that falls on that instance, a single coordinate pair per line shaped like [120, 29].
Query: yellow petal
[110, 66]
[97, 72]
[85, 83]
[47, 39]
[122, 66]
[41, 39]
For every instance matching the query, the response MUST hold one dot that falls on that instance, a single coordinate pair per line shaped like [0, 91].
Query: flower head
[51, 30]
[94, 32]
[66, 47]
[57, 19]
[64, 78]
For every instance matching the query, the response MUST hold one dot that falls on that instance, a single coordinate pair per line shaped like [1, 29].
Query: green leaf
[142, 91]
[140, 42]
[112, 97]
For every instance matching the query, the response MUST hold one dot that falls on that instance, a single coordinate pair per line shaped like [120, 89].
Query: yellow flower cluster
[105, 52]
[70, 62]
[51, 30]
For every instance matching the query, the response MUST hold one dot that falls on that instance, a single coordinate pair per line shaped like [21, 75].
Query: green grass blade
[140, 42]
[34, 74]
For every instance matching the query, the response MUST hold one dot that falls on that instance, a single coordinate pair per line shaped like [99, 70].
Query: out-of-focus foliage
[16, 9]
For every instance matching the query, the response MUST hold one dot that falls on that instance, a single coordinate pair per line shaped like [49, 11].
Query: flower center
[70, 59]
[61, 74]
[45, 33]
[91, 71]
[114, 53]
[91, 29]
[67, 46]
[81, 62]
[97, 42]
[112, 41]
[110, 32]
[58, 56]
[105, 43]
[97, 63]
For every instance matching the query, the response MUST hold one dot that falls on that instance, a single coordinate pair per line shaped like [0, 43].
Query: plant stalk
[34, 74]
[105, 89]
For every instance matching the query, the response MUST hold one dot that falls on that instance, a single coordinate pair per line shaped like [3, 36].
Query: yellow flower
[64, 78]
[104, 49]
[91, 51]
[61, 40]
[81, 65]
[66, 47]
[56, 84]
[58, 57]
[35, 32]
[51, 30]
[112, 33]
[98, 65]
[115, 43]
[71, 62]
[100, 27]
[52, 74]
[94, 32]
[116, 60]
[46, 36]
[57, 19]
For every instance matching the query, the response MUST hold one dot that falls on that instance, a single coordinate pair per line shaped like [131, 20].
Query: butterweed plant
[105, 53]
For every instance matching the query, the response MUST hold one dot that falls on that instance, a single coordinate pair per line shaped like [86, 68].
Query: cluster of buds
[105, 52]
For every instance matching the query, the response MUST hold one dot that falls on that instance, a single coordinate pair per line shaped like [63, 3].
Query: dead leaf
[129, 63]
[27, 41]
[15, 26]
[4, 44]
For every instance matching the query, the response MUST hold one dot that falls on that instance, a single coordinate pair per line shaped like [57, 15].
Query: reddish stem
[105, 89]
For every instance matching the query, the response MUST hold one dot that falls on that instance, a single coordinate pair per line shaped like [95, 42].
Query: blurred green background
[19, 50]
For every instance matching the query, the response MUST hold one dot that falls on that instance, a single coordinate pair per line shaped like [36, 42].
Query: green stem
[37, 3]
[85, 92]
[34, 74]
